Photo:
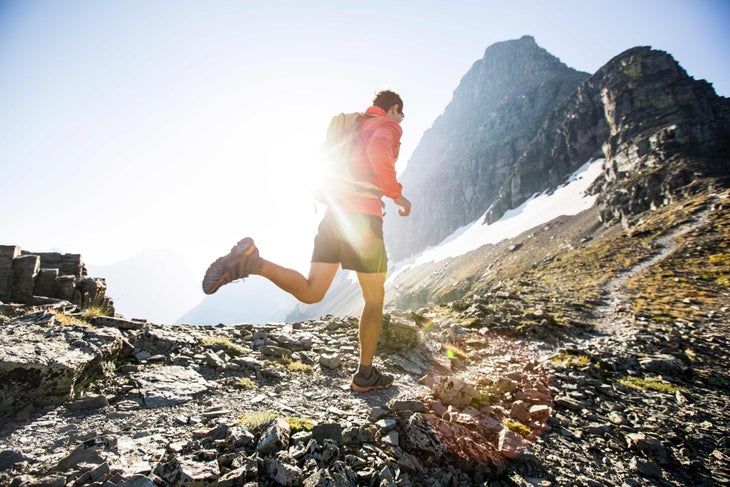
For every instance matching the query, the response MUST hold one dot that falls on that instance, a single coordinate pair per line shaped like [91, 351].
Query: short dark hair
[386, 99]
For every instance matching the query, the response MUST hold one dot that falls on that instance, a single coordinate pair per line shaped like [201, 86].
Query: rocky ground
[518, 385]
[472, 405]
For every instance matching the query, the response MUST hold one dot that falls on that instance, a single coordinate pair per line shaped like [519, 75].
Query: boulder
[399, 331]
[25, 270]
[451, 390]
[510, 444]
[7, 254]
[44, 363]
[169, 385]
[284, 470]
[45, 283]
[92, 290]
[330, 360]
[65, 287]
[275, 437]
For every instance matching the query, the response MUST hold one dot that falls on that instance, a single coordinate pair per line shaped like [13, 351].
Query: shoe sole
[358, 388]
[218, 273]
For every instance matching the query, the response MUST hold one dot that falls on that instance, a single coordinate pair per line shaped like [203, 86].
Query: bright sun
[259, 183]
[286, 159]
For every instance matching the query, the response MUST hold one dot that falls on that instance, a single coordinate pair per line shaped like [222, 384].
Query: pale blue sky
[189, 124]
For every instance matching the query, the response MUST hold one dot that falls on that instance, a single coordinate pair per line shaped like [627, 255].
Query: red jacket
[373, 161]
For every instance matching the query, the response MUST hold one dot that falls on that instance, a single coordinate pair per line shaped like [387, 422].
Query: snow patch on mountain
[568, 199]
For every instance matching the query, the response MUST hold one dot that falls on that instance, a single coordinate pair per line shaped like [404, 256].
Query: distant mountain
[461, 162]
[255, 300]
[154, 284]
[157, 285]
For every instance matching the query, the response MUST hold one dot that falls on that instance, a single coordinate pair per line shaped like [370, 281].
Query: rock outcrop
[29, 277]
[668, 132]
[44, 362]
[658, 129]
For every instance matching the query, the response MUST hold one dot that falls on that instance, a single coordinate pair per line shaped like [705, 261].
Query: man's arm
[382, 152]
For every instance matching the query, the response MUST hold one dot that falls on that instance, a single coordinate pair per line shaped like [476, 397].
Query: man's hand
[405, 206]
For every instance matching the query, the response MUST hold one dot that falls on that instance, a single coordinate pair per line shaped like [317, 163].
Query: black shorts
[354, 240]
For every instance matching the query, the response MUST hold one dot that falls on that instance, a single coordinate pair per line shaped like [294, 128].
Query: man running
[350, 234]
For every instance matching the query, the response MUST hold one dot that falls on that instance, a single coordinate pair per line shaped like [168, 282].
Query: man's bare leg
[307, 290]
[368, 377]
[371, 320]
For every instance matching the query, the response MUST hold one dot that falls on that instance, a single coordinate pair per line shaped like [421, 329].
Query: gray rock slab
[169, 385]
[275, 437]
[44, 363]
[114, 322]
[25, 270]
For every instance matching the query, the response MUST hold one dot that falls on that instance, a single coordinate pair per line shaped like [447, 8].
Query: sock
[365, 370]
[253, 262]
[253, 266]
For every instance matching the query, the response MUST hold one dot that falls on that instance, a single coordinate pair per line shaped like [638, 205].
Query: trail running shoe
[242, 260]
[377, 380]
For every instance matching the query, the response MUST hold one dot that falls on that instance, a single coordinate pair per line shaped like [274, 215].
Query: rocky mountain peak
[625, 112]
[521, 121]
[521, 58]
[505, 69]
[495, 112]
[644, 91]
[663, 124]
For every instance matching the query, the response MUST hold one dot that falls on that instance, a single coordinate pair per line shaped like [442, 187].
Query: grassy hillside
[564, 267]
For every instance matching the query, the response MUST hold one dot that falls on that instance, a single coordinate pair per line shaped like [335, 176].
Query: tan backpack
[337, 178]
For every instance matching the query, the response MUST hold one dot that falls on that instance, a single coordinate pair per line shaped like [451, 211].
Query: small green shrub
[298, 366]
[224, 343]
[65, 320]
[246, 383]
[517, 427]
[453, 352]
[257, 419]
[633, 71]
[299, 424]
[649, 384]
[291, 365]
[568, 360]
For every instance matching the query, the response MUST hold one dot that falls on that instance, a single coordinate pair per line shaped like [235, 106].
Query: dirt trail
[611, 316]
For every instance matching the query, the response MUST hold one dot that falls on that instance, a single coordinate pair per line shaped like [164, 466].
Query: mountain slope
[604, 362]
[460, 163]
[254, 301]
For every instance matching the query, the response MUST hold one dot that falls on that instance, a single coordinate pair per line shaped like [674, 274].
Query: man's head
[390, 102]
